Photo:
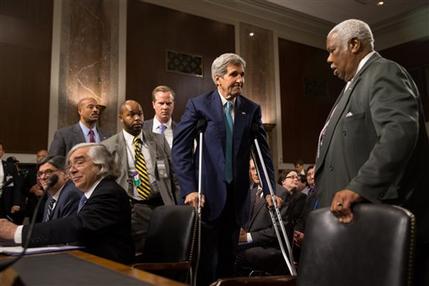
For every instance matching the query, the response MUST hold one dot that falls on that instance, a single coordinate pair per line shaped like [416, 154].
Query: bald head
[89, 111]
[131, 117]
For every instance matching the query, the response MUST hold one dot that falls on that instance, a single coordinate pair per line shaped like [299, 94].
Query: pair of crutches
[201, 124]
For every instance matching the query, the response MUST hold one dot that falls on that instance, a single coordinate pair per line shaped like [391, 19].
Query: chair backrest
[171, 235]
[375, 249]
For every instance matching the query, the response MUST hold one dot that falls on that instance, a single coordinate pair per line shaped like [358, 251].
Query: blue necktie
[82, 202]
[228, 146]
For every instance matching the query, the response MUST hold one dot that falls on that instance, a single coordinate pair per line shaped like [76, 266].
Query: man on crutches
[232, 122]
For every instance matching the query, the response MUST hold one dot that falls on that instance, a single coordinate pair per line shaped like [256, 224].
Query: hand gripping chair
[169, 246]
[375, 249]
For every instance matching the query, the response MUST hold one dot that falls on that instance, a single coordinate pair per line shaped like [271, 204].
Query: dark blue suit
[227, 205]
[67, 203]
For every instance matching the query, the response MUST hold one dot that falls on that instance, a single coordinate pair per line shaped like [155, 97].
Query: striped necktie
[143, 188]
[228, 146]
[91, 135]
[50, 210]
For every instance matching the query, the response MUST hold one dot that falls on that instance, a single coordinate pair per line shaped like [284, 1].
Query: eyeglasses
[46, 173]
[292, 177]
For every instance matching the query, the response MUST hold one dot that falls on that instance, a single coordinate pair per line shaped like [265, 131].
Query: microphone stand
[201, 125]
[51, 182]
[285, 240]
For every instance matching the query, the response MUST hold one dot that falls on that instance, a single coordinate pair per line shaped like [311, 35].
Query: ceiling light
[251, 34]
[380, 3]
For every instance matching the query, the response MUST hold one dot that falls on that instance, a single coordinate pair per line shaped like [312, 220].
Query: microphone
[52, 181]
[201, 125]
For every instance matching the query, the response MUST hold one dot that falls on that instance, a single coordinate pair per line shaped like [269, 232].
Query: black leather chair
[376, 249]
[170, 243]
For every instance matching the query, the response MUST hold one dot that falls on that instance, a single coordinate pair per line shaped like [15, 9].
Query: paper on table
[16, 250]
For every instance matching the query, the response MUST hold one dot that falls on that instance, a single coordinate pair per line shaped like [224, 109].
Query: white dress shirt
[168, 132]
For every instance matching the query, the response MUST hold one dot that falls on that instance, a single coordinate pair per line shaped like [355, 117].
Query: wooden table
[78, 268]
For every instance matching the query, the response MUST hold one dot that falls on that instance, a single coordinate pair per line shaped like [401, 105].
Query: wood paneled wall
[153, 29]
[25, 62]
[308, 90]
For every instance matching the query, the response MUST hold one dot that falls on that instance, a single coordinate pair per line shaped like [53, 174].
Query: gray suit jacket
[159, 150]
[376, 143]
[67, 203]
[67, 137]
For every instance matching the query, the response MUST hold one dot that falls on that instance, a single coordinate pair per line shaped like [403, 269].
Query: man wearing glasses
[63, 197]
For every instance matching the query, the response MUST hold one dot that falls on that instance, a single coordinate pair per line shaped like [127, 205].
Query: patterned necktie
[228, 146]
[144, 187]
[50, 210]
[82, 202]
[162, 128]
[91, 135]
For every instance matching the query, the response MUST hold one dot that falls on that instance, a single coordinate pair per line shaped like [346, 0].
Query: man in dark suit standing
[156, 153]
[233, 121]
[374, 145]
[85, 130]
[102, 222]
[10, 189]
[163, 104]
[63, 197]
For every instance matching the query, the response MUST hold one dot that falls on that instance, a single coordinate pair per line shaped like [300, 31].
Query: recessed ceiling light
[251, 34]
[380, 3]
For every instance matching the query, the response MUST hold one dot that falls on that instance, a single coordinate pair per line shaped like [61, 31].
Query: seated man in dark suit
[102, 224]
[259, 250]
[86, 130]
[63, 197]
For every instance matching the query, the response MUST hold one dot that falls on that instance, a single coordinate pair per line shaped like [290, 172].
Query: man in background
[10, 189]
[86, 130]
[163, 104]
[145, 170]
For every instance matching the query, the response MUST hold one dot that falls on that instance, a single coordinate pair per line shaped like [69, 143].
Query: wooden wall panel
[25, 62]
[308, 90]
[153, 29]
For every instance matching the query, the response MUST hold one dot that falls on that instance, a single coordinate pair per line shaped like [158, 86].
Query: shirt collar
[157, 123]
[362, 63]
[88, 193]
[129, 137]
[223, 99]
[85, 129]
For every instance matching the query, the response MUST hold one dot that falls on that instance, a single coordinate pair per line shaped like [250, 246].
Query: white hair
[354, 28]
[220, 64]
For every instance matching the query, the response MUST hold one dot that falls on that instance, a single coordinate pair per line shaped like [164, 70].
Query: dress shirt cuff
[249, 238]
[18, 235]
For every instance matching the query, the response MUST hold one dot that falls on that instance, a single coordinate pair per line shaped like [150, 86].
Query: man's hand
[279, 201]
[193, 198]
[298, 238]
[243, 236]
[341, 205]
[7, 229]
[37, 190]
[15, 209]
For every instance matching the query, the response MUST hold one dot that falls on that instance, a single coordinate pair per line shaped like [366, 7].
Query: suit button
[331, 168]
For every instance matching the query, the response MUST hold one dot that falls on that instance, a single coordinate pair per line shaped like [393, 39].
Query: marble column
[85, 59]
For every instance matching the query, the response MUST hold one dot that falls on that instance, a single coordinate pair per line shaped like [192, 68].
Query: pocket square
[349, 114]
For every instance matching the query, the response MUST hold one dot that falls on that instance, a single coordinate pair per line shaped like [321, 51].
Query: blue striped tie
[228, 147]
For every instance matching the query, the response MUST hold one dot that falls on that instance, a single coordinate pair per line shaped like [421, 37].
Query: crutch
[201, 125]
[288, 260]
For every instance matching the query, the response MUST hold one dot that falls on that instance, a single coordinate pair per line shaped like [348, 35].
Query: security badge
[135, 179]
[162, 169]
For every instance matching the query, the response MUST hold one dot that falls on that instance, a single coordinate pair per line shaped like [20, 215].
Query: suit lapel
[218, 115]
[341, 104]
[240, 119]
[78, 132]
